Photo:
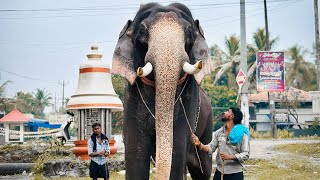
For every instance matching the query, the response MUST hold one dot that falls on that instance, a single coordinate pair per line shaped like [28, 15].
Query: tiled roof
[291, 93]
[14, 116]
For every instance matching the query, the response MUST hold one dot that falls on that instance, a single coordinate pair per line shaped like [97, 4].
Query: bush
[282, 134]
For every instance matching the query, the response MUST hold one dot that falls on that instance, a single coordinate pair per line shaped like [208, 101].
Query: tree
[232, 58]
[6, 104]
[3, 88]
[119, 84]
[222, 97]
[23, 102]
[41, 99]
[229, 61]
[299, 71]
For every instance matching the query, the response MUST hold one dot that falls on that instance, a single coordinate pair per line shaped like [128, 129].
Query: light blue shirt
[100, 147]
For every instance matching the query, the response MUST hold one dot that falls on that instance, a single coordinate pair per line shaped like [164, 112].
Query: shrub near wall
[76, 168]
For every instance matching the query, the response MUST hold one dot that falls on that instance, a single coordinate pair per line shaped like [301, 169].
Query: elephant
[163, 55]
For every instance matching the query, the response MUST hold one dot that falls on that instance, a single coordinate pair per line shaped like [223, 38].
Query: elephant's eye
[189, 35]
[142, 35]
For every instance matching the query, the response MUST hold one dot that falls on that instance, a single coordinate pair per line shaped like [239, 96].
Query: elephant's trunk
[167, 54]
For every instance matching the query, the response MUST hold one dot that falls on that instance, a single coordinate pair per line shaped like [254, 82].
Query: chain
[197, 118]
[144, 102]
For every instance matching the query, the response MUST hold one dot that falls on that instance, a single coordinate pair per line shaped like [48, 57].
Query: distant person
[98, 149]
[232, 141]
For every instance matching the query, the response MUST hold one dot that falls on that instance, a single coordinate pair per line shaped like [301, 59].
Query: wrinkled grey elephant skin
[167, 37]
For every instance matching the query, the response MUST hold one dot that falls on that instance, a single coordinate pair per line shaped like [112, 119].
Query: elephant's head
[162, 43]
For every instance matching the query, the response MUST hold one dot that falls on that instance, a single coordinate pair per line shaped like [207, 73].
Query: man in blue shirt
[98, 149]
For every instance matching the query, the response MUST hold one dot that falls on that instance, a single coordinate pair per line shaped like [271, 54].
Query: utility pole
[271, 94]
[266, 24]
[244, 67]
[317, 43]
[63, 84]
[55, 103]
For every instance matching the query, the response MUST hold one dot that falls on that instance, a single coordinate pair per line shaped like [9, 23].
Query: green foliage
[259, 135]
[12, 147]
[55, 150]
[119, 84]
[24, 102]
[117, 122]
[233, 45]
[3, 88]
[41, 99]
[221, 97]
[281, 134]
[299, 72]
[315, 124]
[73, 131]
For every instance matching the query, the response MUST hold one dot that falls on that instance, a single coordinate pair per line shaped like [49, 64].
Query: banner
[270, 71]
[57, 119]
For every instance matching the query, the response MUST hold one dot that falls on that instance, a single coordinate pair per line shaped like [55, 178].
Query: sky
[43, 42]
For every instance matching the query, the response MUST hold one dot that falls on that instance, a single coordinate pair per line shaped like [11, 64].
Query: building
[294, 109]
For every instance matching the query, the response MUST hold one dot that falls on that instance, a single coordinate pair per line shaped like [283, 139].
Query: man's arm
[244, 149]
[209, 148]
[90, 150]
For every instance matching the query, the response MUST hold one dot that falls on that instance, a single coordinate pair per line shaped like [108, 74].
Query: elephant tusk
[144, 71]
[192, 69]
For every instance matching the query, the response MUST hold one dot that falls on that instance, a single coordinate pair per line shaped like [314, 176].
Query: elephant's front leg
[138, 148]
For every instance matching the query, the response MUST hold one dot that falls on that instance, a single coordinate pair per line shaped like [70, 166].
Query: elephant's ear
[122, 61]
[200, 51]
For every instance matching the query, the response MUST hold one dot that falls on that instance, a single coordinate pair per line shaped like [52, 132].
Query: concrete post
[7, 133]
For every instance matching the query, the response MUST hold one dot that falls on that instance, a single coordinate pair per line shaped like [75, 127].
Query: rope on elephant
[184, 111]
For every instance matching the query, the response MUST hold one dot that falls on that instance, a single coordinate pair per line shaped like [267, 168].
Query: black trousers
[98, 171]
[234, 176]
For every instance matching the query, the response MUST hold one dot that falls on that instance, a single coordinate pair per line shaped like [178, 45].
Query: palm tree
[231, 59]
[41, 99]
[6, 104]
[3, 88]
[259, 39]
[299, 72]
[24, 102]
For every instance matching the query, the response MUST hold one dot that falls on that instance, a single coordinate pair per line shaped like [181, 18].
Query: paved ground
[262, 149]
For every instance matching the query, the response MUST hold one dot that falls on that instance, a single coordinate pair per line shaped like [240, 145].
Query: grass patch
[310, 149]
[281, 134]
[289, 167]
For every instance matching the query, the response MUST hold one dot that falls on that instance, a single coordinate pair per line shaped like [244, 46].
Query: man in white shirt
[98, 149]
